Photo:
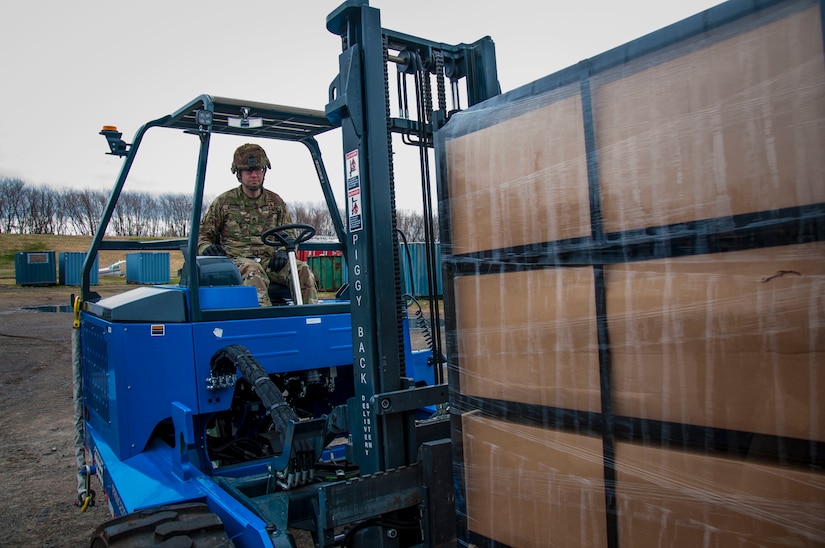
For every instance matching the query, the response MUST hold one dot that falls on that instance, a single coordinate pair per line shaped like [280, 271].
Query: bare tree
[152, 215]
[126, 217]
[60, 218]
[316, 215]
[137, 214]
[412, 223]
[11, 201]
[120, 222]
[39, 210]
[84, 208]
[176, 211]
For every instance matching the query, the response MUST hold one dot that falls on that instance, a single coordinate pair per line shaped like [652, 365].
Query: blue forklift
[209, 420]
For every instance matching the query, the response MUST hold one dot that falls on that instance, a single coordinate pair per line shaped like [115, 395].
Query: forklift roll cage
[204, 116]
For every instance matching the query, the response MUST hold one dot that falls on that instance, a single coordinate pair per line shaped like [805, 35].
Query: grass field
[13, 243]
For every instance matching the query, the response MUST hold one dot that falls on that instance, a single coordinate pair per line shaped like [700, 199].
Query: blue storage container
[414, 268]
[35, 268]
[70, 268]
[147, 268]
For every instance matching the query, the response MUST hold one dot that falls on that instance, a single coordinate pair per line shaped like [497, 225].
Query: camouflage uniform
[236, 222]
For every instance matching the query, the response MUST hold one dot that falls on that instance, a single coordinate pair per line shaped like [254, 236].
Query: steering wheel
[273, 237]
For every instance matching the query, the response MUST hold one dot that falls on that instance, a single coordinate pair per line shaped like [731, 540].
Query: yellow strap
[87, 483]
[76, 322]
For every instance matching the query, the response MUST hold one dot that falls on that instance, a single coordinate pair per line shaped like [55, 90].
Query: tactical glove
[278, 261]
[214, 250]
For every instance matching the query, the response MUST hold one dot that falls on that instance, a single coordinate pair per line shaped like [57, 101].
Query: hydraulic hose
[239, 356]
[302, 456]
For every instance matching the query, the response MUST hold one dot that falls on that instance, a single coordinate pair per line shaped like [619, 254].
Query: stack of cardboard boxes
[635, 292]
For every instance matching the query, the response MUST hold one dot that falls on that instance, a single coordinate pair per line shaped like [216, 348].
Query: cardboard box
[681, 498]
[635, 292]
[731, 340]
[529, 486]
[529, 337]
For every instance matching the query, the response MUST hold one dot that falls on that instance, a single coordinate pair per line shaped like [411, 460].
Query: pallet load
[634, 253]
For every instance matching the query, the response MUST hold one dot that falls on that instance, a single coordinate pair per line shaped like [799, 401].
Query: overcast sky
[68, 68]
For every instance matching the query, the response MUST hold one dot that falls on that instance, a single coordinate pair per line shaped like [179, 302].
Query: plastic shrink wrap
[634, 253]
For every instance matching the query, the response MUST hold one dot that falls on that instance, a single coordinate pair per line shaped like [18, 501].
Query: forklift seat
[214, 272]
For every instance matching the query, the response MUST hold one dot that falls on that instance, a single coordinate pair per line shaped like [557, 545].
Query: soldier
[235, 220]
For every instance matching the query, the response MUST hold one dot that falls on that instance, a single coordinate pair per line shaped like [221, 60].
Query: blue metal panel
[35, 268]
[421, 366]
[132, 374]
[70, 268]
[141, 481]
[279, 344]
[237, 296]
[147, 268]
[95, 355]
[146, 480]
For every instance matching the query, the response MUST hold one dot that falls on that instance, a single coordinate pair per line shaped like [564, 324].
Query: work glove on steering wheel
[214, 250]
[278, 261]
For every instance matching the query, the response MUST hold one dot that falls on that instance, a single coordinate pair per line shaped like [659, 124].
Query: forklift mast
[382, 430]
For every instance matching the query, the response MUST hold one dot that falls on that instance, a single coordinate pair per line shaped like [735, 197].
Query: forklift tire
[187, 524]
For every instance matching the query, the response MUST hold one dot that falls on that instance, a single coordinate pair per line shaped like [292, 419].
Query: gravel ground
[37, 467]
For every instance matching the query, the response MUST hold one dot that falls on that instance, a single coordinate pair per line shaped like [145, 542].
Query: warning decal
[353, 171]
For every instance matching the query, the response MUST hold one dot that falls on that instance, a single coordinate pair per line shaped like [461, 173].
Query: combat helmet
[249, 155]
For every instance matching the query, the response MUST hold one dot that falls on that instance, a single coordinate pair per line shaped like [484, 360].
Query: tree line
[27, 209]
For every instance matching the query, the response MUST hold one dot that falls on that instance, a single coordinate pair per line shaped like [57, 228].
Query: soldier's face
[252, 179]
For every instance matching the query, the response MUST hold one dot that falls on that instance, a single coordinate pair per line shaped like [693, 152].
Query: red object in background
[303, 255]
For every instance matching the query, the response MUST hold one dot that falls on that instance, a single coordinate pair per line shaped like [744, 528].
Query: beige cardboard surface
[729, 340]
[735, 127]
[520, 181]
[681, 499]
[529, 337]
[530, 487]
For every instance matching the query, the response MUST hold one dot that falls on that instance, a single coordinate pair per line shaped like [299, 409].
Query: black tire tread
[179, 525]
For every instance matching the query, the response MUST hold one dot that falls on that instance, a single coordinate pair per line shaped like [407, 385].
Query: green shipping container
[328, 270]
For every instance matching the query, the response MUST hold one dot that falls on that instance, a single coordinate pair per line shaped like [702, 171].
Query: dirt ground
[37, 466]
